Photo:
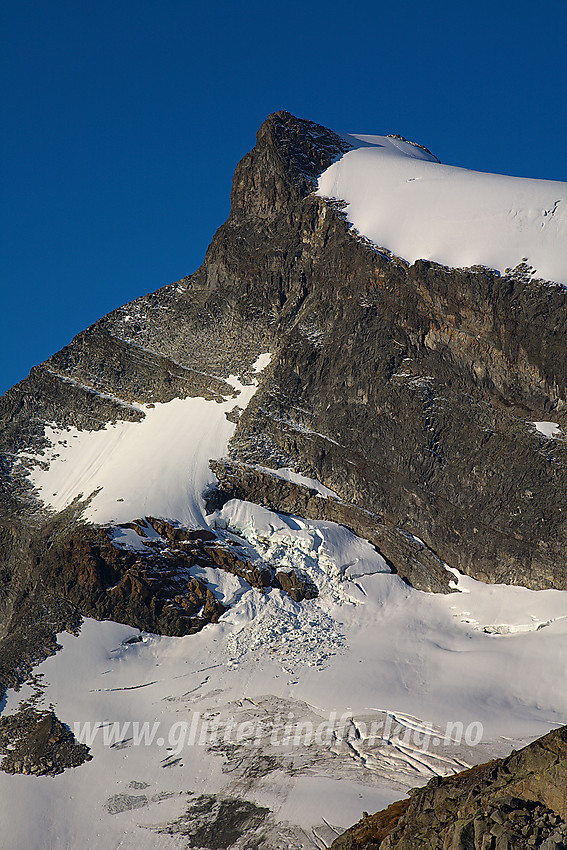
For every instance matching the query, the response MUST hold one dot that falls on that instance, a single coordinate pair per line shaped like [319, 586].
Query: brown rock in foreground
[507, 804]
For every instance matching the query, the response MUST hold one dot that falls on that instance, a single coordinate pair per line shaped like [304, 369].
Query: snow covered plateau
[403, 199]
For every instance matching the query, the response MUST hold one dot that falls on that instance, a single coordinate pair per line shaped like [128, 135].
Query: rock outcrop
[34, 741]
[514, 803]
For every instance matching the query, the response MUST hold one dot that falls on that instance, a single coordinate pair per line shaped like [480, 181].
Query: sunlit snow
[548, 429]
[156, 467]
[369, 648]
[402, 199]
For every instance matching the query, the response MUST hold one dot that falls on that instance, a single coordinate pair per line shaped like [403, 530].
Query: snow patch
[401, 198]
[226, 587]
[158, 466]
[261, 362]
[287, 474]
[548, 429]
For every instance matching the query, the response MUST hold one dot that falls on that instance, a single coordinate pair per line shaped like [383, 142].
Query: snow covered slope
[401, 198]
[369, 650]
[158, 466]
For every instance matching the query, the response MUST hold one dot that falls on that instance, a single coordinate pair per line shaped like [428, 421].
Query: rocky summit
[305, 414]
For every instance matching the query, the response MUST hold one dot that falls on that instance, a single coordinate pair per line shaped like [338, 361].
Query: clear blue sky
[123, 122]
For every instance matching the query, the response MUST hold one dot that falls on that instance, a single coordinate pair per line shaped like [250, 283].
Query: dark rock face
[406, 555]
[408, 390]
[34, 741]
[298, 588]
[214, 823]
[39, 744]
[508, 804]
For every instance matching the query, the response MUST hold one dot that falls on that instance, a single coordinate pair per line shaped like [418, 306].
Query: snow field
[402, 199]
[368, 646]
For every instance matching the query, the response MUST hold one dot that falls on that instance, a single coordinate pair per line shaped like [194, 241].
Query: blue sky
[123, 122]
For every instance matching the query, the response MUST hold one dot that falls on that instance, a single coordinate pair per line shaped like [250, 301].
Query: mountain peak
[289, 156]
[335, 476]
